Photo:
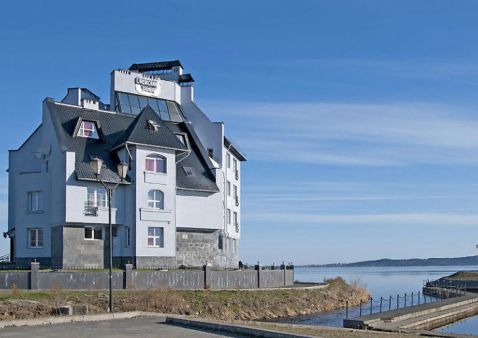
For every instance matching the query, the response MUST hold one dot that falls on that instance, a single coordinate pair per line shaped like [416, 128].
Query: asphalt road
[118, 328]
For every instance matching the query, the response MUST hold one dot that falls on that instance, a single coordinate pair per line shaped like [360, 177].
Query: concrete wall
[89, 280]
[184, 279]
[236, 279]
[20, 279]
[289, 277]
[271, 278]
[145, 279]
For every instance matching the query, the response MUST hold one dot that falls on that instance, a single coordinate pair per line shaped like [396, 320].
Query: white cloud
[461, 71]
[356, 134]
[391, 219]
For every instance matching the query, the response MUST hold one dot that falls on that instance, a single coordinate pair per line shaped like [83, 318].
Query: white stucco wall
[196, 209]
[148, 217]
[124, 81]
[230, 201]
[27, 173]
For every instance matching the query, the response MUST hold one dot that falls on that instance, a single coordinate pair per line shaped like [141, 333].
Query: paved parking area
[136, 327]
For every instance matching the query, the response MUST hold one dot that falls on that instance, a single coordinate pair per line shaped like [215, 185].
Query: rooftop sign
[147, 86]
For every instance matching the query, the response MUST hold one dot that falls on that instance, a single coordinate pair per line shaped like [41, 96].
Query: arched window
[155, 163]
[156, 199]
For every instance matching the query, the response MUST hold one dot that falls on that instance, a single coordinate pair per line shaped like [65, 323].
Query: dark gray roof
[234, 149]
[139, 132]
[203, 178]
[115, 129]
[185, 78]
[151, 66]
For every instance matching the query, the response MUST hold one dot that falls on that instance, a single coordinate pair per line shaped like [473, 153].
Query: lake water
[381, 282]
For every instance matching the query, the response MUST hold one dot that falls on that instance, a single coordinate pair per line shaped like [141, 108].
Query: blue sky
[359, 117]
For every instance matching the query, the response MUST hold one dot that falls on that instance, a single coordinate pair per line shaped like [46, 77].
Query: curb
[70, 319]
[231, 328]
[173, 320]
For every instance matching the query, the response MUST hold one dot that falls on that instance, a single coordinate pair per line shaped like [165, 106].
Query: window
[228, 188]
[127, 236]
[174, 112]
[88, 129]
[133, 104]
[234, 246]
[93, 233]
[228, 216]
[34, 200]
[97, 197]
[155, 164]
[235, 219]
[156, 199]
[182, 138]
[235, 192]
[156, 237]
[220, 243]
[36, 237]
[114, 231]
[228, 160]
[234, 161]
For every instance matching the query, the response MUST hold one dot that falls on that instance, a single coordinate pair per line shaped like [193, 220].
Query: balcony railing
[90, 209]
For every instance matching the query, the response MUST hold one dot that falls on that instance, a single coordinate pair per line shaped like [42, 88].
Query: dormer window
[189, 171]
[152, 125]
[88, 129]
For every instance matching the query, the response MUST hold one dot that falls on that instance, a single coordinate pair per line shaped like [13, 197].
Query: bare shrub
[15, 290]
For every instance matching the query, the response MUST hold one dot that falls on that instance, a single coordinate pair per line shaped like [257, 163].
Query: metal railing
[90, 209]
[384, 304]
[5, 258]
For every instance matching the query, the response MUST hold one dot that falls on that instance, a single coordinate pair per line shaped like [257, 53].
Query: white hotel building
[179, 203]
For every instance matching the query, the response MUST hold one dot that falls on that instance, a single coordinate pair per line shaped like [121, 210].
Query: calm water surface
[381, 282]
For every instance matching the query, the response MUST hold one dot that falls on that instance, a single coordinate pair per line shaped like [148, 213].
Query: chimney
[90, 104]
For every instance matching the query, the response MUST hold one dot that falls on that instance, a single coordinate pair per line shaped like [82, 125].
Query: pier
[420, 317]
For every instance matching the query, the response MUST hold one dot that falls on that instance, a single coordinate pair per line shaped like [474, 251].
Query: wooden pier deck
[421, 317]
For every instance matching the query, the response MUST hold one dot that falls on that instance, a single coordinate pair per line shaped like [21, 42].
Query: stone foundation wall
[195, 248]
[156, 262]
[79, 252]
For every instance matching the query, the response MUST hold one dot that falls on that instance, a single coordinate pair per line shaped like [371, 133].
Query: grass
[224, 305]
[464, 275]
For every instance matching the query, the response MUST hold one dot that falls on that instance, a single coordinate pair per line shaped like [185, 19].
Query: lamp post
[122, 168]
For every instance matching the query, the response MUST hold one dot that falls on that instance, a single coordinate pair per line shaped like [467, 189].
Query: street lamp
[122, 168]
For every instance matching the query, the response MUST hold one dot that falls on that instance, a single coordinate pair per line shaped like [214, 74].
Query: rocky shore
[223, 305]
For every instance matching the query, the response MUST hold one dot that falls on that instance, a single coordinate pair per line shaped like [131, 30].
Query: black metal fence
[383, 304]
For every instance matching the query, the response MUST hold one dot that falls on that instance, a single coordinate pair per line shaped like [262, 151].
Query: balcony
[90, 209]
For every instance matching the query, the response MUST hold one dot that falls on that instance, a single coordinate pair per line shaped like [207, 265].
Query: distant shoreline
[385, 262]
